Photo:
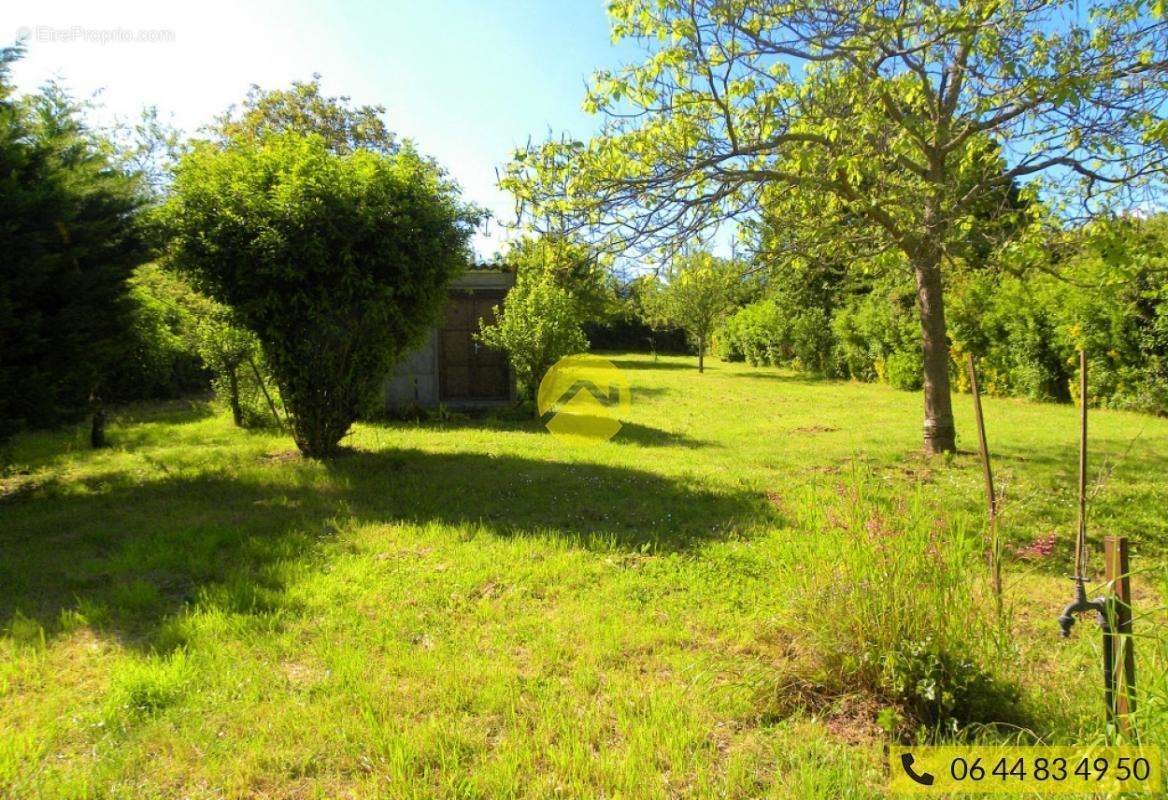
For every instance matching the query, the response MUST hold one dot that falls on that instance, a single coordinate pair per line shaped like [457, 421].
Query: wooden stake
[1118, 574]
[991, 497]
[1081, 538]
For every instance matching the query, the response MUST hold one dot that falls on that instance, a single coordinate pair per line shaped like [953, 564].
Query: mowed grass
[470, 608]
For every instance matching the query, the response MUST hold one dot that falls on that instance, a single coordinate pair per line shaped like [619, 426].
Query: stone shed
[451, 368]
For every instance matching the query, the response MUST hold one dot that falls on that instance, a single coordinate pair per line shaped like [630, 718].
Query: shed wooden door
[467, 369]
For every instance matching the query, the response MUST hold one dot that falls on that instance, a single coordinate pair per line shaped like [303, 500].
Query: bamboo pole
[1081, 538]
[991, 496]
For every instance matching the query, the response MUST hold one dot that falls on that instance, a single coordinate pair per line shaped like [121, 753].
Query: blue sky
[469, 81]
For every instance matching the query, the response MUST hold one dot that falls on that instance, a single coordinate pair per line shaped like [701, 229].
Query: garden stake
[1123, 681]
[1081, 603]
[991, 498]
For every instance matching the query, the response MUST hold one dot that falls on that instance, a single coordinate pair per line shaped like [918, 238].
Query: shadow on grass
[132, 556]
[646, 436]
[638, 393]
[632, 432]
[648, 363]
[803, 378]
[170, 412]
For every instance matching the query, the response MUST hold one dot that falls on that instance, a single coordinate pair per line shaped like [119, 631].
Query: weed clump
[893, 606]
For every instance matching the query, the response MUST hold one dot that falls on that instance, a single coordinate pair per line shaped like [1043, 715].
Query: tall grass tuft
[893, 604]
[1150, 631]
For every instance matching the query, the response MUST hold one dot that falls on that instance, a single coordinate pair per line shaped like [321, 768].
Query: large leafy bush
[336, 262]
[878, 337]
[1109, 296]
[776, 332]
[1011, 327]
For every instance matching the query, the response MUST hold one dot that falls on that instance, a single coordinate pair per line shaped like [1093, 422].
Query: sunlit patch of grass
[712, 604]
[143, 688]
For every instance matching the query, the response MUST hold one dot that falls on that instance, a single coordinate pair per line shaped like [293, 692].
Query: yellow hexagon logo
[587, 396]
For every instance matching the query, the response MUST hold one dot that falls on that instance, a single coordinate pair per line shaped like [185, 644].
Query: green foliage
[303, 109]
[777, 332]
[754, 333]
[573, 266]
[235, 358]
[181, 340]
[148, 148]
[1011, 328]
[627, 330]
[538, 325]
[70, 238]
[1107, 294]
[1115, 305]
[1023, 315]
[727, 341]
[943, 689]
[877, 336]
[903, 370]
[161, 361]
[696, 290]
[625, 327]
[337, 263]
[922, 128]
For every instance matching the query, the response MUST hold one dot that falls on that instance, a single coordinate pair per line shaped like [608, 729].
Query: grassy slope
[473, 609]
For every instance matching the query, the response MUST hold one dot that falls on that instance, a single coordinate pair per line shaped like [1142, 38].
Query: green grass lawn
[470, 608]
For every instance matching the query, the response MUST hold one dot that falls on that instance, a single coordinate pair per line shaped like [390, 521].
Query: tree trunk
[97, 424]
[940, 434]
[701, 354]
[233, 388]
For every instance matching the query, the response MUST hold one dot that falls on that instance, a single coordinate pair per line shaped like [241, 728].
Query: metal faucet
[1082, 604]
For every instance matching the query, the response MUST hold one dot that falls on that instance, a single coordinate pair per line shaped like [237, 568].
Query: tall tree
[328, 239]
[873, 109]
[70, 236]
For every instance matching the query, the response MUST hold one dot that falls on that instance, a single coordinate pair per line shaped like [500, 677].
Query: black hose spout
[1081, 605]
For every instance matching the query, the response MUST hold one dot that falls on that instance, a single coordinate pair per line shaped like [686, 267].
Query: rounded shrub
[336, 262]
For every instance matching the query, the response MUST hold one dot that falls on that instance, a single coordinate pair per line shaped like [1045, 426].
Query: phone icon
[906, 761]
